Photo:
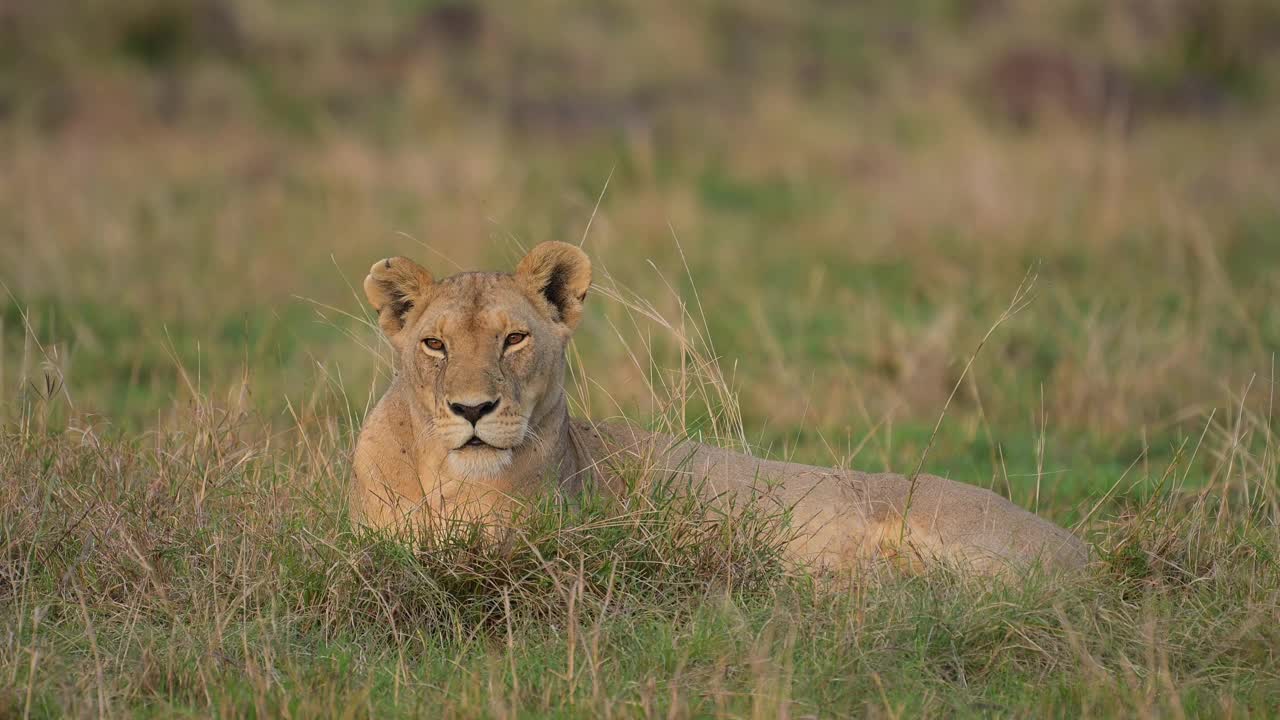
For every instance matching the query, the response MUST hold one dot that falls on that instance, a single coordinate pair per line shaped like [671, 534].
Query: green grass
[833, 202]
[206, 573]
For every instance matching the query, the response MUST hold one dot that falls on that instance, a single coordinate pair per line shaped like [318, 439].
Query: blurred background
[192, 191]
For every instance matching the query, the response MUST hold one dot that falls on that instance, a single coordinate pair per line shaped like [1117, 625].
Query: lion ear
[560, 274]
[396, 286]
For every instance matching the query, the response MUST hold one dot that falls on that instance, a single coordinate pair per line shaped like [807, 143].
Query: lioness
[477, 416]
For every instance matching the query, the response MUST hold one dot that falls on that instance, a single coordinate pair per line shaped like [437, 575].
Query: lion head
[482, 354]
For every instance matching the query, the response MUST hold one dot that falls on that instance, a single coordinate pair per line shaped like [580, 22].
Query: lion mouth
[475, 442]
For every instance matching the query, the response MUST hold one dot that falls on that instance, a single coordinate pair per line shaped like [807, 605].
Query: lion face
[483, 353]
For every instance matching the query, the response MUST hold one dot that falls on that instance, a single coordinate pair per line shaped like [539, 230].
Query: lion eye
[516, 338]
[433, 344]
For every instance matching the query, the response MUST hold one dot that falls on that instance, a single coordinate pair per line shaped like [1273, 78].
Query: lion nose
[473, 413]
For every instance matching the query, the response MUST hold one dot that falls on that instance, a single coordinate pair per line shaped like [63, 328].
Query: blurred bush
[570, 66]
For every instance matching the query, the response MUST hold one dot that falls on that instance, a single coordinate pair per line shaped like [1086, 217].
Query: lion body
[415, 460]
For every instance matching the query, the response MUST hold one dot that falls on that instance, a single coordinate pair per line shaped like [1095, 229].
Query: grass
[813, 216]
[210, 570]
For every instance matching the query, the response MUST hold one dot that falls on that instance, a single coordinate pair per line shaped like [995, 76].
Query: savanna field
[1030, 246]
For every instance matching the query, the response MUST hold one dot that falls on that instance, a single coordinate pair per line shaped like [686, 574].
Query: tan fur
[412, 465]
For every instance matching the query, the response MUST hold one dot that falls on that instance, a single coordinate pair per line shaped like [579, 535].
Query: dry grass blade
[1022, 298]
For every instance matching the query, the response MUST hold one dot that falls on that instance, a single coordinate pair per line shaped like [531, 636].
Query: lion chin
[479, 461]
[483, 355]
